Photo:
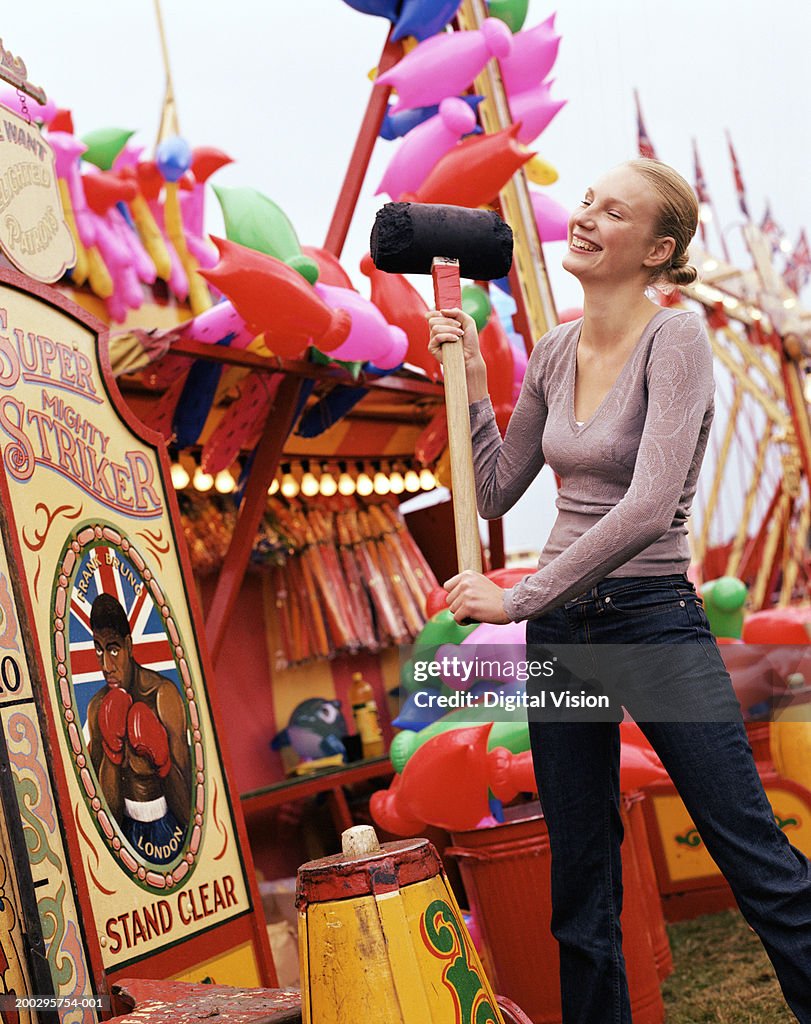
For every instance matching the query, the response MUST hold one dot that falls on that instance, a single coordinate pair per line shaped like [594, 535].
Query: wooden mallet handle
[448, 295]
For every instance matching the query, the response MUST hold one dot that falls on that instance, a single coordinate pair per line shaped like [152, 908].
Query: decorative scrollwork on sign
[41, 533]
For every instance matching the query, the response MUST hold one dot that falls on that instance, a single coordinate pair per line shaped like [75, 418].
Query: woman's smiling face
[611, 231]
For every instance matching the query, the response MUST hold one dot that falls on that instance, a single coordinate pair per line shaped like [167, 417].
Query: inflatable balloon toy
[446, 64]
[173, 158]
[403, 306]
[531, 57]
[330, 270]
[541, 172]
[370, 337]
[497, 353]
[205, 161]
[89, 265]
[724, 599]
[103, 146]
[535, 109]
[395, 125]
[433, 439]
[476, 303]
[422, 147]
[125, 166]
[381, 8]
[437, 601]
[253, 220]
[512, 12]
[789, 625]
[274, 300]
[314, 730]
[26, 106]
[552, 218]
[423, 18]
[474, 171]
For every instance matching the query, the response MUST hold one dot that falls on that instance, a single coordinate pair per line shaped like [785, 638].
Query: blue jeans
[711, 766]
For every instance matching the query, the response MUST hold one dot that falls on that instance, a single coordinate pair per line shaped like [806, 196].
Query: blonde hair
[678, 218]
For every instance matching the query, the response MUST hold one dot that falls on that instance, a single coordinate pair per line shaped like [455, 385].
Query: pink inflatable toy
[371, 338]
[534, 109]
[424, 145]
[215, 324]
[552, 218]
[446, 64]
[531, 58]
[11, 98]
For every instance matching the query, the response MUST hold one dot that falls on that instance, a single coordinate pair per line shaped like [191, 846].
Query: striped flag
[702, 194]
[771, 229]
[643, 139]
[736, 173]
[798, 265]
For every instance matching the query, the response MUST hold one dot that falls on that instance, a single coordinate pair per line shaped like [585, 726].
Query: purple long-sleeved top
[628, 474]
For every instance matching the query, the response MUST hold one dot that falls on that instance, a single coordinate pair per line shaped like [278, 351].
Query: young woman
[620, 405]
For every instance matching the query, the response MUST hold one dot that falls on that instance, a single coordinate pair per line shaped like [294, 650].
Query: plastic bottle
[364, 709]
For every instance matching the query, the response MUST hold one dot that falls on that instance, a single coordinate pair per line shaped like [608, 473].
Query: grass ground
[722, 975]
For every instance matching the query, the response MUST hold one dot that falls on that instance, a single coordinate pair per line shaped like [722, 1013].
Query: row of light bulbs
[325, 479]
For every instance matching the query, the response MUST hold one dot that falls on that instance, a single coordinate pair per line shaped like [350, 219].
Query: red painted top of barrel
[340, 878]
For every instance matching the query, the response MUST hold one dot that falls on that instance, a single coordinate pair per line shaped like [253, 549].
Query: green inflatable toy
[724, 599]
[512, 733]
[258, 223]
[476, 303]
[104, 145]
[512, 12]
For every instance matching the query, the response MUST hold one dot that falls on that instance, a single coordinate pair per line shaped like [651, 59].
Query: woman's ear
[661, 253]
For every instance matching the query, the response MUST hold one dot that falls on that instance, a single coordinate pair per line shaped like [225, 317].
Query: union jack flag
[739, 186]
[771, 229]
[108, 570]
[798, 265]
[643, 139]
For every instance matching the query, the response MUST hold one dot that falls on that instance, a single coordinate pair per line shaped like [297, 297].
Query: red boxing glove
[113, 723]
[148, 738]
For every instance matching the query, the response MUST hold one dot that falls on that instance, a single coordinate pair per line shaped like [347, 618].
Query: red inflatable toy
[275, 300]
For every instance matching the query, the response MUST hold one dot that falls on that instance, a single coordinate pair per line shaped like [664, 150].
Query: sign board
[33, 232]
[92, 524]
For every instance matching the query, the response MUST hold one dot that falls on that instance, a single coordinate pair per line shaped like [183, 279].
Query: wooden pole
[758, 593]
[277, 427]
[736, 552]
[720, 468]
[448, 295]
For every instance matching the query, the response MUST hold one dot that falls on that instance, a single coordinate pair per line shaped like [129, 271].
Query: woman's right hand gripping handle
[449, 326]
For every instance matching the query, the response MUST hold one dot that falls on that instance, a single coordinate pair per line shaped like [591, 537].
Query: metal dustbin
[506, 872]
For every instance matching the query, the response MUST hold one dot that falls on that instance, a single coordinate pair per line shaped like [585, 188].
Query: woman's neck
[611, 314]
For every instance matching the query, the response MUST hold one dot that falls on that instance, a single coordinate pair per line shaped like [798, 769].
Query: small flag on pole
[798, 265]
[771, 229]
[643, 140]
[739, 187]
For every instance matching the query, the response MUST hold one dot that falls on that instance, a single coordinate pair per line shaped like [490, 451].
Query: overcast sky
[281, 85]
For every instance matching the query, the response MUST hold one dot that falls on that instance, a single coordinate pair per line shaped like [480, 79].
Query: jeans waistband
[613, 583]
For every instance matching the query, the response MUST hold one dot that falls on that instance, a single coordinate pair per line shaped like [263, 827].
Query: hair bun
[681, 274]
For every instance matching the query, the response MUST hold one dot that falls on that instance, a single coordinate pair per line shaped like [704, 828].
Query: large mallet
[448, 242]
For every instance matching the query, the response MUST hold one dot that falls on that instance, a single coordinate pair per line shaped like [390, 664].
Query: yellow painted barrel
[381, 938]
